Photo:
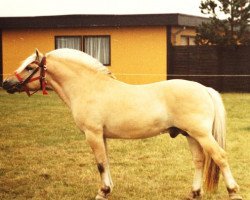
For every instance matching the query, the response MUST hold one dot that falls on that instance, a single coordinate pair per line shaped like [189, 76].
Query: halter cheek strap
[43, 82]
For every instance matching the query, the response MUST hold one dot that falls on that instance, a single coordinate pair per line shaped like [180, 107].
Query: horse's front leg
[97, 144]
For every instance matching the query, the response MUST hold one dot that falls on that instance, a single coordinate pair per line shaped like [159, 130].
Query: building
[134, 47]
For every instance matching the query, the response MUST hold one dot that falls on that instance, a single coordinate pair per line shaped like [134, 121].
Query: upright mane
[81, 57]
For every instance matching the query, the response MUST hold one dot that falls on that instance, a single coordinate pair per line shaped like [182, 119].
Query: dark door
[1, 60]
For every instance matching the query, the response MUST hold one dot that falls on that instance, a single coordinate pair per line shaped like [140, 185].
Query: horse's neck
[69, 80]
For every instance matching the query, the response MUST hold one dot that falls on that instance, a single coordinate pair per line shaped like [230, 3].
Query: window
[72, 42]
[96, 46]
[187, 40]
[184, 40]
[192, 41]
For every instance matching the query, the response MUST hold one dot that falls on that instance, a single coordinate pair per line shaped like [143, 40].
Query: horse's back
[178, 90]
[180, 85]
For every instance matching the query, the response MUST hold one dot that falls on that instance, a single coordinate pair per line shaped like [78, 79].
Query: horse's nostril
[5, 85]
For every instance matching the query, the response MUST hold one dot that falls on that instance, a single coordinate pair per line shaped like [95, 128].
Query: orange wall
[138, 54]
[19, 44]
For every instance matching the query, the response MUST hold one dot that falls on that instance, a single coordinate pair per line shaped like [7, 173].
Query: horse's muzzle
[10, 87]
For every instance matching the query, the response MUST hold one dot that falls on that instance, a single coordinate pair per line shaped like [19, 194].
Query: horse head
[30, 76]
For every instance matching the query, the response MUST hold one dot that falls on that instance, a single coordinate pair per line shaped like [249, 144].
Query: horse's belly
[136, 129]
[132, 134]
[141, 114]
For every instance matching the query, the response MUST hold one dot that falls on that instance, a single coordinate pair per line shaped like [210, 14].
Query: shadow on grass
[246, 128]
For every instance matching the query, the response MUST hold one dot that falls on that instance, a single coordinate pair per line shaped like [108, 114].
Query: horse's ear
[38, 55]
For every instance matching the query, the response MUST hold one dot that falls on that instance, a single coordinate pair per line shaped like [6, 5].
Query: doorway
[1, 60]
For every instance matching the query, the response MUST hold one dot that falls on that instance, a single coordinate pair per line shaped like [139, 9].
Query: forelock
[26, 62]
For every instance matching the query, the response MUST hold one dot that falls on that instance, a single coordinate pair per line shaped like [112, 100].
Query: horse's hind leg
[198, 159]
[219, 156]
[97, 143]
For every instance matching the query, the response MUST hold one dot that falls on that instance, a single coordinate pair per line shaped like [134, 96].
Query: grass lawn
[44, 156]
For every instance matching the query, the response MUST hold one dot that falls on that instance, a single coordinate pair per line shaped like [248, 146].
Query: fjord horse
[96, 100]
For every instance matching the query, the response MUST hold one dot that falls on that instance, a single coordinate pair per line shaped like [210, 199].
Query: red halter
[23, 82]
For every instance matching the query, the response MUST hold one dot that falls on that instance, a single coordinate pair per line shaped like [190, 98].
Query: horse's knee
[212, 148]
[199, 163]
[199, 160]
[220, 158]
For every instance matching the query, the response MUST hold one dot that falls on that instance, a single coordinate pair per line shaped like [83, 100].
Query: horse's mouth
[10, 88]
[11, 91]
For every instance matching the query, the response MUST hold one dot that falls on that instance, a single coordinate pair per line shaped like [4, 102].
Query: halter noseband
[23, 83]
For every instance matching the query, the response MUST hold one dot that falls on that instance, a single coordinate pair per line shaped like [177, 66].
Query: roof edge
[105, 20]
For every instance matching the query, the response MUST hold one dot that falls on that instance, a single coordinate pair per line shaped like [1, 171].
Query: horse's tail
[211, 170]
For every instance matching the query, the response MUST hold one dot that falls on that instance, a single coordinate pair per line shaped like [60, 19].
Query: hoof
[103, 193]
[99, 197]
[235, 196]
[194, 195]
[193, 198]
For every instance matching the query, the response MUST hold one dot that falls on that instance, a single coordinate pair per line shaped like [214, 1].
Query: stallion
[96, 98]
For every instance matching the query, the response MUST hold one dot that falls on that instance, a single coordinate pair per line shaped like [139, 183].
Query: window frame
[82, 39]
[70, 36]
[188, 37]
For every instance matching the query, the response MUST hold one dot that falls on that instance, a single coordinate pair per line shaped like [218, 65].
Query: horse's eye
[28, 68]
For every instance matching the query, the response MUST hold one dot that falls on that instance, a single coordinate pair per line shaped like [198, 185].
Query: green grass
[44, 156]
